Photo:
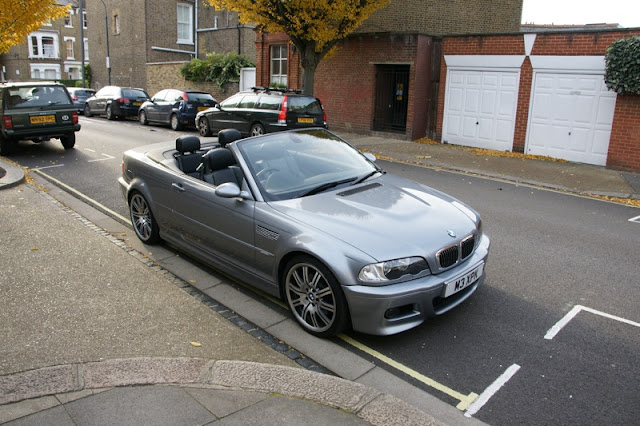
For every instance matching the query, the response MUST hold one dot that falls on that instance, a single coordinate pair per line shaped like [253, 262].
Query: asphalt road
[550, 253]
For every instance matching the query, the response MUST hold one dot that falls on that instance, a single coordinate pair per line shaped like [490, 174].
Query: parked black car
[263, 110]
[37, 111]
[79, 95]
[115, 102]
[178, 108]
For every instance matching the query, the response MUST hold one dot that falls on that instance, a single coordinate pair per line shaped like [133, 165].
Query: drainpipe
[195, 47]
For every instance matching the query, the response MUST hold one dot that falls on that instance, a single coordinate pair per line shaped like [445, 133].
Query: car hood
[386, 218]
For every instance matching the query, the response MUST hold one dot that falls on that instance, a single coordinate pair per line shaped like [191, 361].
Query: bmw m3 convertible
[306, 217]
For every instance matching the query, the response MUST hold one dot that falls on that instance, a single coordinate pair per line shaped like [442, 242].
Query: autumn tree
[314, 26]
[18, 18]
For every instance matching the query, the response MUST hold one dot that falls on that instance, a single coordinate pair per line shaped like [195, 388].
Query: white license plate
[464, 281]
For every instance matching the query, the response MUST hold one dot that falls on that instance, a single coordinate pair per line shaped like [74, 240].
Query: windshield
[295, 164]
[38, 96]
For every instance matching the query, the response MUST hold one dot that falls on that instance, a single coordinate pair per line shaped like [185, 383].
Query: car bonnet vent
[359, 189]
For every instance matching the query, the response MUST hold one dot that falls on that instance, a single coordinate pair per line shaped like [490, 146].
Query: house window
[116, 24]
[68, 21]
[279, 64]
[69, 42]
[185, 23]
[45, 71]
[84, 19]
[43, 45]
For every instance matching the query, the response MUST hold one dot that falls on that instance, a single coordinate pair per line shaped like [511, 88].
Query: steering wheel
[264, 174]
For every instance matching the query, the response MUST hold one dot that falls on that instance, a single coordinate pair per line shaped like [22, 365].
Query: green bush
[622, 69]
[218, 68]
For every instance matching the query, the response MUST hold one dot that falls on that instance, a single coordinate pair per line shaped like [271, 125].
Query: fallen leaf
[196, 344]
[34, 249]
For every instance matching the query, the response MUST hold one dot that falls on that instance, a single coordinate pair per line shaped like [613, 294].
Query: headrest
[218, 158]
[187, 144]
[226, 136]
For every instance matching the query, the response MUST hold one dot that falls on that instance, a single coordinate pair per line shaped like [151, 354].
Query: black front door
[392, 98]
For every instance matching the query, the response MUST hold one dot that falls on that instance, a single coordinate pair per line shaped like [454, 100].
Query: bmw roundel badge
[451, 233]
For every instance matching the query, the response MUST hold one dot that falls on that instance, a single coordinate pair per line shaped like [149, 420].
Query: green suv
[38, 111]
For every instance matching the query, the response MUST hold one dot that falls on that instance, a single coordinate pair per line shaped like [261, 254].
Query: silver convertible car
[306, 217]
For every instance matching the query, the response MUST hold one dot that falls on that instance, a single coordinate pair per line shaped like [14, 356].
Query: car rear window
[200, 97]
[269, 102]
[304, 104]
[38, 96]
[133, 93]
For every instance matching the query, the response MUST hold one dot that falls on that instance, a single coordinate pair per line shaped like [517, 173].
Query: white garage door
[571, 117]
[480, 108]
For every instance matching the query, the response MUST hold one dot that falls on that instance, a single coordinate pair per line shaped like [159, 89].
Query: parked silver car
[305, 216]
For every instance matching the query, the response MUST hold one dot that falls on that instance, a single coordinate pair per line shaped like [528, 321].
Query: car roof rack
[275, 89]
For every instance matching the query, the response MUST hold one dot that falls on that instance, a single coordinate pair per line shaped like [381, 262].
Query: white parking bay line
[574, 311]
[108, 157]
[47, 167]
[491, 390]
[635, 219]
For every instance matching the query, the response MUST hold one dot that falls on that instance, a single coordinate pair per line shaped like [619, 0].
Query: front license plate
[464, 281]
[305, 120]
[39, 119]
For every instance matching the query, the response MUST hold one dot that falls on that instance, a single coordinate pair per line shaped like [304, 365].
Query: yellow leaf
[196, 344]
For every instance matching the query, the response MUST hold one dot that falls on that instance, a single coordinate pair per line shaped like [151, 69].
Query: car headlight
[392, 270]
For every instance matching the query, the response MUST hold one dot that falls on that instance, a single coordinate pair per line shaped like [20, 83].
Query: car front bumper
[384, 310]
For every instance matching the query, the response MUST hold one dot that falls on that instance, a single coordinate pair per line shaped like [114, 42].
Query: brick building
[149, 40]
[53, 52]
[384, 77]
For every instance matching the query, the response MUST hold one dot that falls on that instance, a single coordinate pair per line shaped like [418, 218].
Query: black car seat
[226, 136]
[219, 166]
[188, 156]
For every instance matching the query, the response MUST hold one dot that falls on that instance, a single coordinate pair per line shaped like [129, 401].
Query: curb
[364, 402]
[14, 176]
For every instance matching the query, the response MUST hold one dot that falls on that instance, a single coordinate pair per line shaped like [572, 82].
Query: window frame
[180, 31]
[39, 45]
[73, 47]
[280, 78]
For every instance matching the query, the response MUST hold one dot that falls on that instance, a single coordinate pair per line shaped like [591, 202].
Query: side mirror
[217, 105]
[230, 190]
[369, 156]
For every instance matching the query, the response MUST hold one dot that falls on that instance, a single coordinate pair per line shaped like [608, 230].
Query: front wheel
[68, 141]
[143, 118]
[175, 122]
[87, 110]
[142, 219]
[257, 130]
[315, 297]
[203, 127]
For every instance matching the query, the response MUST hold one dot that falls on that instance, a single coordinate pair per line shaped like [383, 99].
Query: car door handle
[177, 186]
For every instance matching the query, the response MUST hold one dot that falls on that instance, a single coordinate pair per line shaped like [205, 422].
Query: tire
[143, 118]
[203, 127]
[257, 129]
[87, 110]
[109, 113]
[175, 122]
[68, 140]
[6, 146]
[314, 297]
[142, 219]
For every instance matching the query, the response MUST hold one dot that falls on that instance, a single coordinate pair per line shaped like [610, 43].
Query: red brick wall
[624, 154]
[624, 145]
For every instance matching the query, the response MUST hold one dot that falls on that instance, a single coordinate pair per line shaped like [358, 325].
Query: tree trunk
[309, 60]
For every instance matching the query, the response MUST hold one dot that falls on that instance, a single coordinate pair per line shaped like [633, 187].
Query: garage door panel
[484, 111]
[571, 117]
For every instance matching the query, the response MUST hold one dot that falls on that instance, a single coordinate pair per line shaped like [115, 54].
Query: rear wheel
[68, 140]
[87, 110]
[142, 219]
[175, 123]
[257, 129]
[110, 115]
[203, 127]
[143, 118]
[315, 297]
